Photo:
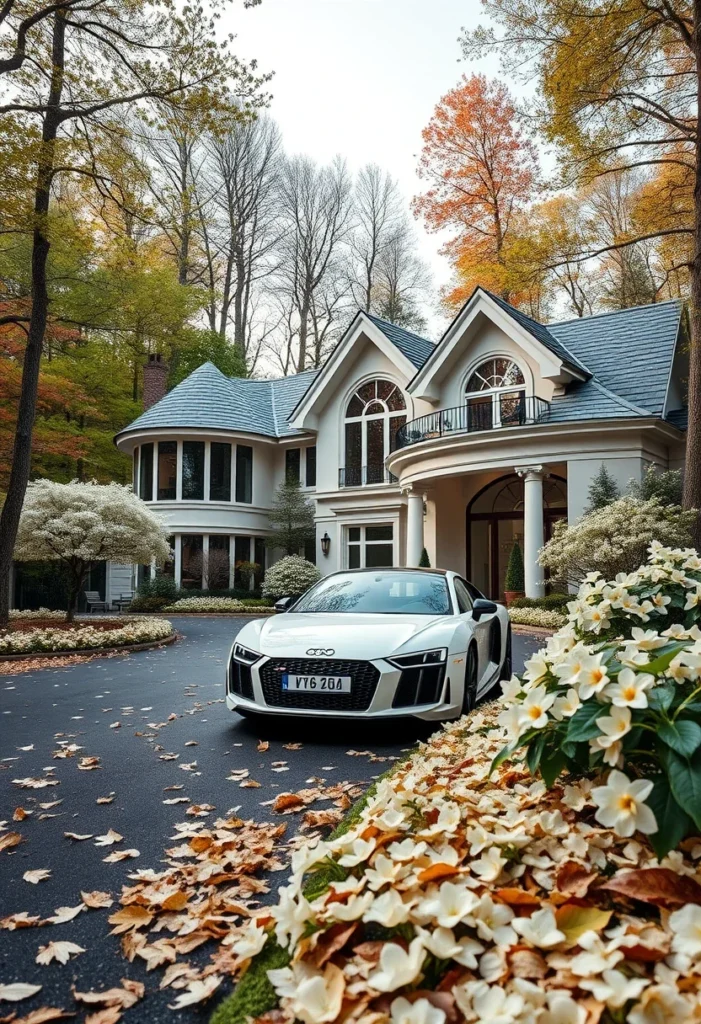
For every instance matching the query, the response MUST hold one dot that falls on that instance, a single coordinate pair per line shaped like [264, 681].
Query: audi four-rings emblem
[320, 652]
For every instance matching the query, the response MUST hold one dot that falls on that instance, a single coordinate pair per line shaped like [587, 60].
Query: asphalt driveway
[130, 712]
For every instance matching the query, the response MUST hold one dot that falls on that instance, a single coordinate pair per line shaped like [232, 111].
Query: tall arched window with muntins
[374, 414]
[496, 394]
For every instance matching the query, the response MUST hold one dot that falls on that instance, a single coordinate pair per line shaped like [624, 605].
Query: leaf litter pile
[461, 894]
[211, 879]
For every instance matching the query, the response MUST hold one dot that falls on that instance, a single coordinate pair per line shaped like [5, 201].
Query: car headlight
[244, 655]
[420, 659]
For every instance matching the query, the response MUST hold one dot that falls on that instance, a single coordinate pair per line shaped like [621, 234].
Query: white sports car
[372, 643]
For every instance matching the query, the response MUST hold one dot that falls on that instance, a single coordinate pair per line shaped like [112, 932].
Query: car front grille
[364, 678]
[240, 681]
[421, 685]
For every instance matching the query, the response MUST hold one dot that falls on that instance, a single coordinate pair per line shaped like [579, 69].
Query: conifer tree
[603, 490]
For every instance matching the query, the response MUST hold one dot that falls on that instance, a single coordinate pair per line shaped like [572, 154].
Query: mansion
[462, 448]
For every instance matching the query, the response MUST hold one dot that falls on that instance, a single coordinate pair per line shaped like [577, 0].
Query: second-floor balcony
[477, 414]
[362, 476]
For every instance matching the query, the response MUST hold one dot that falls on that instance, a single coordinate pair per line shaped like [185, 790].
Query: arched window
[496, 394]
[374, 414]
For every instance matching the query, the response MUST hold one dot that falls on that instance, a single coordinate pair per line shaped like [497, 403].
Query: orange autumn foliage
[482, 171]
[59, 400]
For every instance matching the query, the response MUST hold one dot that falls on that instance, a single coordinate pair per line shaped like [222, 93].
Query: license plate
[319, 684]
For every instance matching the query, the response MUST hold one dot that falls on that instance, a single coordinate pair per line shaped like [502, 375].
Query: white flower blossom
[621, 805]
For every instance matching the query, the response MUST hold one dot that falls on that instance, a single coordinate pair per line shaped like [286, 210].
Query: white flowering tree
[614, 538]
[290, 577]
[79, 523]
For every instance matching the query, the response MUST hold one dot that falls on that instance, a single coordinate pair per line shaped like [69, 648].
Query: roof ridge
[398, 327]
[620, 399]
[614, 312]
[576, 361]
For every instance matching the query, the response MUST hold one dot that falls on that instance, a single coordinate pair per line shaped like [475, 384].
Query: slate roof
[629, 351]
[413, 346]
[207, 398]
[626, 357]
[541, 333]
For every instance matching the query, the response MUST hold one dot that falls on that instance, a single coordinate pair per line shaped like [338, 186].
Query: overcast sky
[360, 78]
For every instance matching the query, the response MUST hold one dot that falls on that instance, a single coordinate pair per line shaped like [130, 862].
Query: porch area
[470, 523]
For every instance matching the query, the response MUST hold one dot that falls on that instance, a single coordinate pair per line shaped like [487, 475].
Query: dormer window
[374, 414]
[496, 395]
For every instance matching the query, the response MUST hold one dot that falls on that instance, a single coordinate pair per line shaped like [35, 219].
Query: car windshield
[380, 593]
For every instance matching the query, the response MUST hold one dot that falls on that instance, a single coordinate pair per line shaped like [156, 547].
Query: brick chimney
[155, 379]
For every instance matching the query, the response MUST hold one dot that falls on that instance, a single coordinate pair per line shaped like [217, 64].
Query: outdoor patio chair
[122, 602]
[94, 601]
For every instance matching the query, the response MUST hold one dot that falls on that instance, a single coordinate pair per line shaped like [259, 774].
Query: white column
[533, 529]
[414, 528]
[178, 567]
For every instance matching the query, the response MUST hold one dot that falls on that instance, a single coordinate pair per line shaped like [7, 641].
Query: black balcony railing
[477, 414]
[360, 476]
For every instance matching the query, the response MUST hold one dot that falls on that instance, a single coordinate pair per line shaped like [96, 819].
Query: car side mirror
[283, 604]
[483, 607]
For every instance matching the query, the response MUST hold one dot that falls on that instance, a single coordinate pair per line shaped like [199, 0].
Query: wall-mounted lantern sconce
[325, 544]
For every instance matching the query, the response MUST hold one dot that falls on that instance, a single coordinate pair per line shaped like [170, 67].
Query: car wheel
[469, 697]
[507, 667]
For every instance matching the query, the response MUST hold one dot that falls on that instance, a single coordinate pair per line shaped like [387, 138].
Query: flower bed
[479, 884]
[219, 604]
[85, 637]
[37, 613]
[541, 617]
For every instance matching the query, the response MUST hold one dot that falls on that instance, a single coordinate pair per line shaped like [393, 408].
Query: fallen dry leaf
[41, 1015]
[192, 743]
[287, 802]
[20, 814]
[76, 835]
[130, 993]
[574, 921]
[263, 745]
[196, 992]
[32, 783]
[52, 803]
[129, 917]
[63, 914]
[9, 840]
[87, 764]
[109, 838]
[116, 725]
[659, 886]
[114, 858]
[107, 1015]
[178, 800]
[96, 900]
[249, 784]
[104, 800]
[61, 951]
[36, 876]
[18, 990]
[292, 746]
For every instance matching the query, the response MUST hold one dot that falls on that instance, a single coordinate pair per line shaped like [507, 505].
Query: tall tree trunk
[692, 475]
[303, 334]
[26, 412]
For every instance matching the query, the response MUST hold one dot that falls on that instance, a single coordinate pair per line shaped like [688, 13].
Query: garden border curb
[124, 648]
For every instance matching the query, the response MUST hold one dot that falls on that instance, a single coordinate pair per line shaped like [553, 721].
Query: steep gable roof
[629, 351]
[541, 333]
[413, 346]
[208, 399]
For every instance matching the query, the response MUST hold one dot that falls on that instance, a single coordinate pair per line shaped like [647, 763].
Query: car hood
[346, 635]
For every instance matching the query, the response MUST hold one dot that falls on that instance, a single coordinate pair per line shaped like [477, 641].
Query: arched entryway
[495, 523]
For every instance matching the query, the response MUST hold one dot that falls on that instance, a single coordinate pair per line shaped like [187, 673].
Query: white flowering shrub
[614, 539]
[36, 613]
[84, 638]
[620, 687]
[290, 577]
[544, 618]
[214, 604]
[80, 523]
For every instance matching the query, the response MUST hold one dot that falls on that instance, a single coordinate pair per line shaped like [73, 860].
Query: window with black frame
[244, 473]
[310, 467]
[146, 472]
[292, 465]
[193, 470]
[220, 472]
[167, 470]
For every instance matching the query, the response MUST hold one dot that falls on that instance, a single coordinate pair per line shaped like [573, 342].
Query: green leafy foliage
[514, 579]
